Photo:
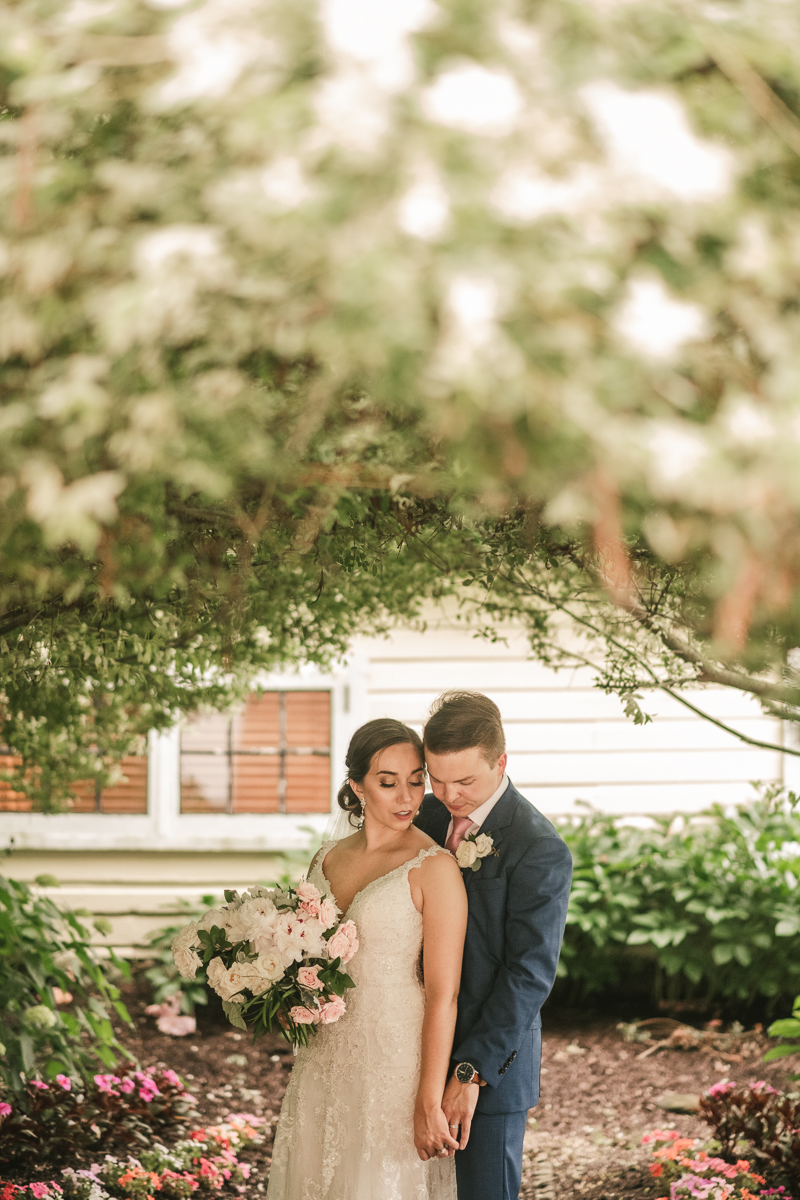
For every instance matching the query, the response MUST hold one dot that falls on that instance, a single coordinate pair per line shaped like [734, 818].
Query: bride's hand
[432, 1136]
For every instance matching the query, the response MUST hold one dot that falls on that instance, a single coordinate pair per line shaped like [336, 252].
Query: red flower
[656, 1169]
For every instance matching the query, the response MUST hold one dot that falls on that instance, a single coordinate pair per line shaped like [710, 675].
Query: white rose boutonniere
[473, 849]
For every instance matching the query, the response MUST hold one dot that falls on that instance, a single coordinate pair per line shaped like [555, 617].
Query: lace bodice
[346, 1127]
[389, 927]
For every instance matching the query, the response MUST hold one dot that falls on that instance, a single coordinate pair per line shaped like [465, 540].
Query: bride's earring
[362, 809]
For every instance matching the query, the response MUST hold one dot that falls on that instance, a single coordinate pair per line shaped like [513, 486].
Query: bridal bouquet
[274, 956]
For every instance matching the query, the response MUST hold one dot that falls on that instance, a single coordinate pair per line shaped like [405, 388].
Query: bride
[362, 1118]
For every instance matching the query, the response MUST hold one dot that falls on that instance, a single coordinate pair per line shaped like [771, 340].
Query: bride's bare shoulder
[335, 848]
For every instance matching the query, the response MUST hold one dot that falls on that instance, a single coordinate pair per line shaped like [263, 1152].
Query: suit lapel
[501, 815]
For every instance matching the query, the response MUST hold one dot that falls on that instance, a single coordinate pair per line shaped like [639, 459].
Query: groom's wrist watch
[466, 1073]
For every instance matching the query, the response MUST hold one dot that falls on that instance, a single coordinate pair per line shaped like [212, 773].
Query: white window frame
[165, 828]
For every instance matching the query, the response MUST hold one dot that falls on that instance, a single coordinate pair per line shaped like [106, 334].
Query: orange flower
[656, 1169]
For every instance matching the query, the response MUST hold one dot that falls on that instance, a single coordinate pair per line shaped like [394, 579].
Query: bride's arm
[444, 924]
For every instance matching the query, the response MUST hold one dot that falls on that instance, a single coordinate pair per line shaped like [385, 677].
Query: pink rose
[338, 945]
[65, 1082]
[308, 977]
[307, 892]
[302, 1015]
[350, 931]
[327, 913]
[310, 907]
[331, 1011]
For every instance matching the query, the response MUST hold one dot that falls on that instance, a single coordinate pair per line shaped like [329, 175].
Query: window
[128, 796]
[272, 756]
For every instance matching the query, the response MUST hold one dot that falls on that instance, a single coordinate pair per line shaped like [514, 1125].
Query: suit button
[513, 1055]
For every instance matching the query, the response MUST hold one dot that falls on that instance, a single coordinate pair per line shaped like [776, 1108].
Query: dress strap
[419, 859]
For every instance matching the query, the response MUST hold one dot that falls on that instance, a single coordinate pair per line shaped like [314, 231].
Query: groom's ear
[502, 762]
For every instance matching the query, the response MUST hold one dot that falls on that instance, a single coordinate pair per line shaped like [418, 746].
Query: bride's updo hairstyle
[365, 743]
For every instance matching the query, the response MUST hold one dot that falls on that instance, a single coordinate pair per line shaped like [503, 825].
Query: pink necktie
[460, 830]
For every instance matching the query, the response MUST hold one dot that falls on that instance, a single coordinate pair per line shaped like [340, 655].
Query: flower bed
[68, 1113]
[688, 1169]
[206, 1162]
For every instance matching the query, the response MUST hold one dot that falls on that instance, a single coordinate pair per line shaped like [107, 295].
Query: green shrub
[704, 913]
[42, 948]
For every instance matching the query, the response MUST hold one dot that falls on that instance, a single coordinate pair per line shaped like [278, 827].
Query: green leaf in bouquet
[230, 896]
[234, 1014]
[346, 981]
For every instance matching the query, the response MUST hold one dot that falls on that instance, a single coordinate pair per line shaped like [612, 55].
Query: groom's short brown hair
[461, 720]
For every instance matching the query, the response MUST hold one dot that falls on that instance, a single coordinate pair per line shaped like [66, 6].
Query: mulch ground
[583, 1141]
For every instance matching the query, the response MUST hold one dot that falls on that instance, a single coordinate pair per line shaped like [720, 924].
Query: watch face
[465, 1072]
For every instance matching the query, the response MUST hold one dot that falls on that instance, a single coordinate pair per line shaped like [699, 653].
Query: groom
[517, 908]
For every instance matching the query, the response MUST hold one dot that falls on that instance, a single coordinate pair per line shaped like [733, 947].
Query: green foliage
[293, 337]
[706, 911]
[43, 947]
[789, 1027]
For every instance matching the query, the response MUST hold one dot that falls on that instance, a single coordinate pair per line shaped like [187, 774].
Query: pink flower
[350, 933]
[344, 942]
[308, 977]
[39, 1190]
[5, 1109]
[106, 1083]
[331, 1011]
[302, 1015]
[173, 1078]
[310, 907]
[177, 1025]
[719, 1089]
[307, 892]
[327, 913]
[660, 1135]
[37, 1083]
[65, 1081]
[61, 997]
[127, 1086]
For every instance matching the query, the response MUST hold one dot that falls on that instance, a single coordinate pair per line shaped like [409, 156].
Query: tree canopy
[311, 309]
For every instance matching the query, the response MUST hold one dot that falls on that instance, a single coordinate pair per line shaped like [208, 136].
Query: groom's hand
[459, 1105]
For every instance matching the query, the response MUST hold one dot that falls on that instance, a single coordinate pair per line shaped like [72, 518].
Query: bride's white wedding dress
[346, 1125]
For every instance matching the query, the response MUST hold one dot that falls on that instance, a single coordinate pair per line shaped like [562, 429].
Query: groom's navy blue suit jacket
[517, 911]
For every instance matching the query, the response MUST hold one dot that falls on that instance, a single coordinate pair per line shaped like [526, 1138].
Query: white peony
[184, 952]
[466, 854]
[214, 916]
[254, 922]
[296, 935]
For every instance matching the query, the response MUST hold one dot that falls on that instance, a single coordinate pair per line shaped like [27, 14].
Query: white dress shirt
[479, 814]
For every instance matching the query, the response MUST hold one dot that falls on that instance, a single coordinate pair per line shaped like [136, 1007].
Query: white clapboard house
[212, 801]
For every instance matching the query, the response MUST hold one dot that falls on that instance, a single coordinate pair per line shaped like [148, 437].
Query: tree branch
[656, 682]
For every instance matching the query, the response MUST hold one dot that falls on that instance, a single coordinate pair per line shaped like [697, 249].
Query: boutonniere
[473, 849]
